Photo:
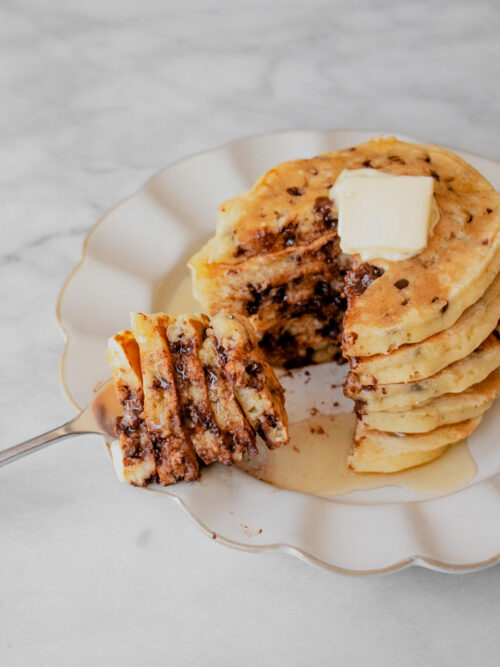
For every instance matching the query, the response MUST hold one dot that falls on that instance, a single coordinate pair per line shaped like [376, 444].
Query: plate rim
[292, 550]
[303, 555]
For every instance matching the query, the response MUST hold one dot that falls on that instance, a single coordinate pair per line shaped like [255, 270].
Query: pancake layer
[455, 378]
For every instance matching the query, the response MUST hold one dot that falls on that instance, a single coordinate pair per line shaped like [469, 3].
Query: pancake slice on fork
[257, 390]
[239, 437]
[185, 336]
[133, 453]
[174, 452]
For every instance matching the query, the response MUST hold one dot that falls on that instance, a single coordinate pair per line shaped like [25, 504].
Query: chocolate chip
[401, 284]
[253, 368]
[295, 192]
[436, 298]
[489, 210]
[160, 382]
[330, 330]
[323, 207]
[470, 218]
[404, 302]
[322, 288]
[252, 305]
[289, 234]
[427, 158]
[445, 307]
[350, 337]
[359, 279]
[367, 163]
[434, 174]
[279, 295]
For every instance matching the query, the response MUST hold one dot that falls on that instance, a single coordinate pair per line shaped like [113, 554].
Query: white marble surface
[95, 97]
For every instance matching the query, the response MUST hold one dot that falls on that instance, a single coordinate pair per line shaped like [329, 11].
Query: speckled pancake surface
[378, 451]
[453, 379]
[422, 295]
[421, 360]
[447, 409]
[255, 385]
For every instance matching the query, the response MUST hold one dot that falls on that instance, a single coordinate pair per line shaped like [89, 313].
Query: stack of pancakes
[420, 334]
[192, 389]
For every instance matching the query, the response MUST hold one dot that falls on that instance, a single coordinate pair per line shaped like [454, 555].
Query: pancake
[380, 458]
[228, 414]
[453, 379]
[378, 451]
[133, 453]
[447, 409]
[175, 455]
[293, 297]
[424, 359]
[185, 337]
[189, 395]
[418, 297]
[255, 386]
[276, 245]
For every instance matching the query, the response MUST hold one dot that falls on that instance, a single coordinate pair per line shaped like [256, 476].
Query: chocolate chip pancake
[185, 338]
[417, 332]
[421, 360]
[454, 378]
[175, 457]
[378, 451]
[229, 417]
[276, 257]
[191, 392]
[447, 409]
[133, 453]
[255, 385]
[420, 296]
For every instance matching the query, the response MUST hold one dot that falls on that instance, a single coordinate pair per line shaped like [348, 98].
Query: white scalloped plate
[145, 241]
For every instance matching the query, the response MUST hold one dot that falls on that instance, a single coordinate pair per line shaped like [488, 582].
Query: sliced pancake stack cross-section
[189, 395]
[418, 333]
[276, 259]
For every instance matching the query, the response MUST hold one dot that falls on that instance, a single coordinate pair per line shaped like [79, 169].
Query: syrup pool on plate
[315, 462]
[321, 429]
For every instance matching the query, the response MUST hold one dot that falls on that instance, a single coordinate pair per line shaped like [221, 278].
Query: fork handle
[34, 444]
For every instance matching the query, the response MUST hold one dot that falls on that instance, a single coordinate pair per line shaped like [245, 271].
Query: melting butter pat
[383, 216]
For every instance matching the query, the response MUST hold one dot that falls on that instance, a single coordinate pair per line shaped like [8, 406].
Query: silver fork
[99, 417]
